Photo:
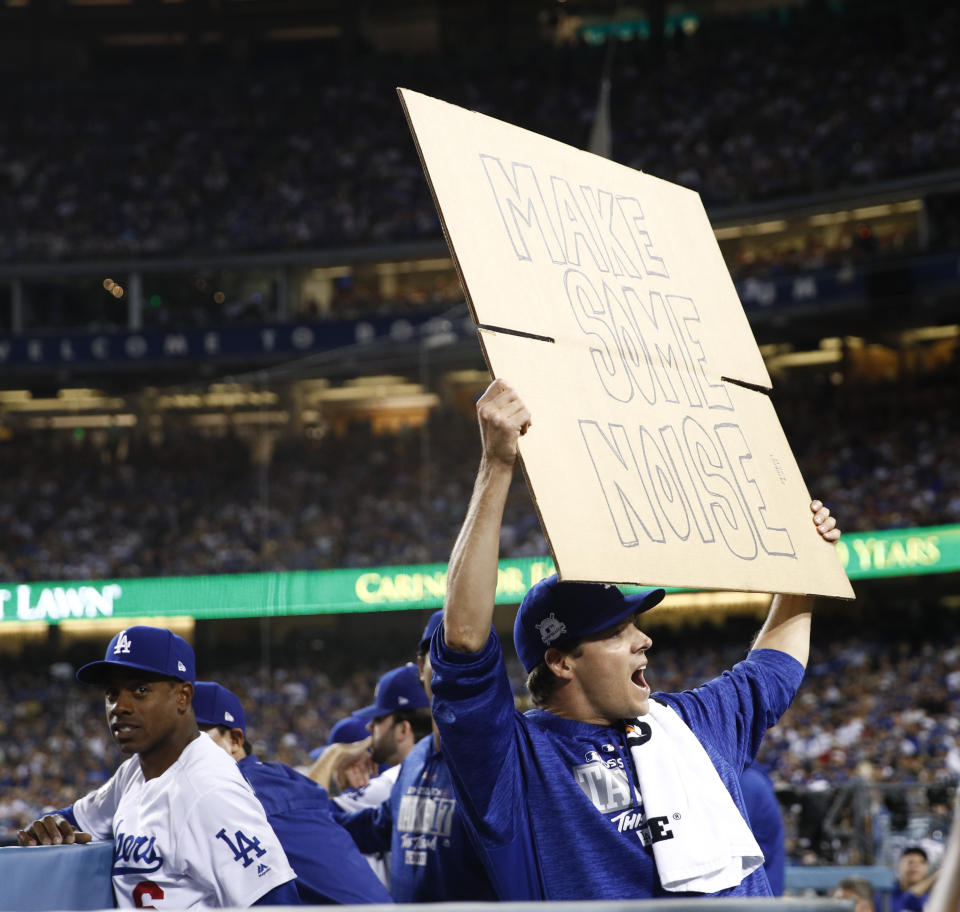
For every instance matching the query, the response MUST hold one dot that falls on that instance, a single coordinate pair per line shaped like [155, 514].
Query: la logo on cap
[181, 666]
[124, 644]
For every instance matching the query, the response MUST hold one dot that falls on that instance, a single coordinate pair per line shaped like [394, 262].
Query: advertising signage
[255, 594]
[868, 555]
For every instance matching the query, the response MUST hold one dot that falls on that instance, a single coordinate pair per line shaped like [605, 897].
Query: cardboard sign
[601, 295]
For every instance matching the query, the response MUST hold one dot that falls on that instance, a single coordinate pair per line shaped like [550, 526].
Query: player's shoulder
[416, 760]
[280, 788]
[424, 747]
[127, 775]
[276, 774]
[206, 770]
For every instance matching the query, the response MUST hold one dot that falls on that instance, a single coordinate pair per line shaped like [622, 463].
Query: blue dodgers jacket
[432, 858]
[329, 867]
[551, 802]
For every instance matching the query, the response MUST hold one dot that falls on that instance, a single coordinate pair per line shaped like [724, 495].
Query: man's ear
[184, 695]
[405, 729]
[237, 738]
[559, 663]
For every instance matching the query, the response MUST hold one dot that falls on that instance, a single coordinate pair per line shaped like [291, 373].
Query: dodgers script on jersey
[194, 836]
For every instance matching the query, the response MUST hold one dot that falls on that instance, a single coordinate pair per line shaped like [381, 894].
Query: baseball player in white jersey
[186, 827]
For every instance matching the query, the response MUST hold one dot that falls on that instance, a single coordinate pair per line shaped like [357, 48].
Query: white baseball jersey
[373, 794]
[194, 836]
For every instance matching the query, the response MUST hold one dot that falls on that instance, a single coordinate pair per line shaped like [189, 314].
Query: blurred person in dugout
[363, 770]
[329, 868]
[420, 823]
[860, 890]
[361, 773]
[348, 730]
[914, 880]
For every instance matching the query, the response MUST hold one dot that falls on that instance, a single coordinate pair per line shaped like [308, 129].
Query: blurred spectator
[859, 889]
[913, 882]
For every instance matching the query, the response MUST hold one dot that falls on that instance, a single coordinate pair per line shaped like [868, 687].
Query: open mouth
[638, 679]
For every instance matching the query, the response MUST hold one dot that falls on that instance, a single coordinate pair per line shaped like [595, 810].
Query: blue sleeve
[371, 828]
[766, 821]
[284, 895]
[474, 711]
[905, 901]
[67, 814]
[733, 712]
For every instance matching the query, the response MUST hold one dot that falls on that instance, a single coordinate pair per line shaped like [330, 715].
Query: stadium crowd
[281, 157]
[884, 458]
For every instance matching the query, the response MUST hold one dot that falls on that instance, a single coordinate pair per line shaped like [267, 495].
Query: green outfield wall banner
[866, 555]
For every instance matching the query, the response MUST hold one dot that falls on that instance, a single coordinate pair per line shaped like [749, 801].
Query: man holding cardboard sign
[604, 791]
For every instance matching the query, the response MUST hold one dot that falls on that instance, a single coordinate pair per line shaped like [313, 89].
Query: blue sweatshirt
[766, 821]
[432, 858]
[545, 798]
[329, 867]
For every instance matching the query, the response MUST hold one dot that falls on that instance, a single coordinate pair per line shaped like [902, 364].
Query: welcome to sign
[600, 293]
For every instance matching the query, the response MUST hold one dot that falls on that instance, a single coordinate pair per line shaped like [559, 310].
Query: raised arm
[343, 766]
[787, 627]
[472, 575]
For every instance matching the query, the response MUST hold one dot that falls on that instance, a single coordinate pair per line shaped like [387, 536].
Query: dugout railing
[77, 879]
[863, 823]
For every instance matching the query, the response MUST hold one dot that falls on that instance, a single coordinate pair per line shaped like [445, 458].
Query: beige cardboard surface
[646, 465]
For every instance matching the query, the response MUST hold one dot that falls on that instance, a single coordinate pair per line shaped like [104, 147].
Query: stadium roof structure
[170, 23]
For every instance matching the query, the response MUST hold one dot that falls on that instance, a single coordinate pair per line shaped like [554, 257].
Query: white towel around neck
[712, 848]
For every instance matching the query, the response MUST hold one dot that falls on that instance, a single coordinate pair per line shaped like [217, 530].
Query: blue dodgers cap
[555, 613]
[348, 731]
[436, 619]
[399, 688]
[153, 649]
[213, 704]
